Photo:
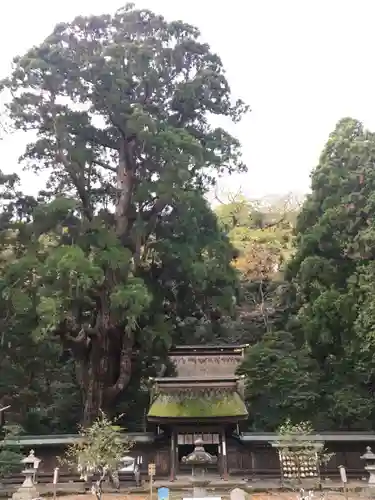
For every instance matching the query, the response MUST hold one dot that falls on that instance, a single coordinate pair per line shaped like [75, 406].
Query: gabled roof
[205, 389]
[198, 398]
[206, 360]
[179, 406]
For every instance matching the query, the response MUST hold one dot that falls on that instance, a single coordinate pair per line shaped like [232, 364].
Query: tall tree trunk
[94, 380]
[106, 373]
[103, 356]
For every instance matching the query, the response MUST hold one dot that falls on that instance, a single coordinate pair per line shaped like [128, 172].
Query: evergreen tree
[120, 107]
[328, 299]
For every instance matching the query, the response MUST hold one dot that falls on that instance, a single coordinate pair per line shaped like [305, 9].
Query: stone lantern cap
[199, 455]
[369, 455]
[31, 461]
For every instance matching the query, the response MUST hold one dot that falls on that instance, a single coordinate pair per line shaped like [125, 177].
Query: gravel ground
[255, 496]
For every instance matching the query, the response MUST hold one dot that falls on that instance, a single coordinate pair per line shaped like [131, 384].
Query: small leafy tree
[300, 456]
[10, 452]
[98, 452]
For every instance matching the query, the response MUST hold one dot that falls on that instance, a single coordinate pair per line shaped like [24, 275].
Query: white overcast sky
[300, 64]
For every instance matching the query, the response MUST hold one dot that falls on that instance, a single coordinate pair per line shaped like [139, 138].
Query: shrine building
[205, 401]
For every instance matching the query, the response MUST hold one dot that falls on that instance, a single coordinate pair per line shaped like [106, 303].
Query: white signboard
[127, 464]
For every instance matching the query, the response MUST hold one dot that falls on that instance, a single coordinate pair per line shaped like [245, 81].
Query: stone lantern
[27, 490]
[199, 459]
[369, 458]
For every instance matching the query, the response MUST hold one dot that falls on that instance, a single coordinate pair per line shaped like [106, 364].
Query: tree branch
[78, 182]
[104, 165]
[273, 224]
[150, 219]
[151, 216]
[78, 343]
[125, 185]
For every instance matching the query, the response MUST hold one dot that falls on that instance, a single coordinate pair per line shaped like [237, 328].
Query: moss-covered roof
[196, 405]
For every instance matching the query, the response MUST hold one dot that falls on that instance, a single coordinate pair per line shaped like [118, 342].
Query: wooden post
[220, 460]
[151, 474]
[173, 456]
[224, 453]
[252, 455]
[176, 463]
[55, 480]
[344, 480]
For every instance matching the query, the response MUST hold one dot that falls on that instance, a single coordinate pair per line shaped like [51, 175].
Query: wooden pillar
[173, 455]
[176, 463]
[224, 454]
[220, 460]
[253, 464]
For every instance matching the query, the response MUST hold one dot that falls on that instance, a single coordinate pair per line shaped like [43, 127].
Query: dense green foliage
[323, 369]
[10, 455]
[119, 253]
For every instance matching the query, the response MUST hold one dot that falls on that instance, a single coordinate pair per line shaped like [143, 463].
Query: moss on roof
[190, 405]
